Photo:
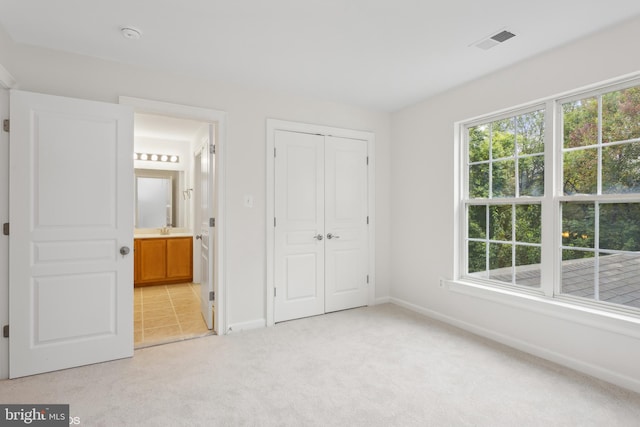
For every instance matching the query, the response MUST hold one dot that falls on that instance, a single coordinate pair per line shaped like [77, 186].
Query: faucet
[165, 230]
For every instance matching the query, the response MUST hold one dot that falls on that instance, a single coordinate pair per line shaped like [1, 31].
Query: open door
[207, 230]
[71, 241]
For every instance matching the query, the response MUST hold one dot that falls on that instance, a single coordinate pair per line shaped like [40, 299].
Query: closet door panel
[346, 243]
[299, 231]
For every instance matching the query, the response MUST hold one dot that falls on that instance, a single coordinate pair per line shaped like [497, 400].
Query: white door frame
[272, 126]
[6, 82]
[220, 118]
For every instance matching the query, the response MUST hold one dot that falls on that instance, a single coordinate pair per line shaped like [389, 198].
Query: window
[586, 177]
[505, 188]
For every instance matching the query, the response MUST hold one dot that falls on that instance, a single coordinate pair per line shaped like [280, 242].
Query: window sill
[620, 323]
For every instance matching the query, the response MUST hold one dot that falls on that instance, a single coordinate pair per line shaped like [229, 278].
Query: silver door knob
[198, 236]
[124, 250]
[332, 236]
[319, 237]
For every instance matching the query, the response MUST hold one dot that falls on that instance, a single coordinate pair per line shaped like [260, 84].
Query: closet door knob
[332, 236]
[319, 237]
[198, 236]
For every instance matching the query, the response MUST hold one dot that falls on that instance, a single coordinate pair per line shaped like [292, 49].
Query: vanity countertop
[158, 235]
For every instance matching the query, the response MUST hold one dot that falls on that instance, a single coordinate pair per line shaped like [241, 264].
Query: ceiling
[378, 54]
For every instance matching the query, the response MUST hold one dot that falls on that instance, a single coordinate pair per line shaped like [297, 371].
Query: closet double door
[321, 222]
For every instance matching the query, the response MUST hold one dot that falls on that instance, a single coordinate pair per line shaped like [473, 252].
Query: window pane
[621, 115]
[621, 168]
[619, 279]
[479, 181]
[479, 143]
[502, 139]
[500, 262]
[580, 172]
[578, 224]
[620, 226]
[528, 266]
[528, 223]
[580, 122]
[531, 176]
[530, 132]
[477, 257]
[578, 273]
[478, 222]
[504, 179]
[500, 223]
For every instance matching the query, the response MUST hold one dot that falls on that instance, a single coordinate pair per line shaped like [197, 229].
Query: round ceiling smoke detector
[131, 33]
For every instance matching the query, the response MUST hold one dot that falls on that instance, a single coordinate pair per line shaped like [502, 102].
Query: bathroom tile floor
[167, 313]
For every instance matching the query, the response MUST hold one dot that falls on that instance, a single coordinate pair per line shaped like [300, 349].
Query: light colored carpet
[375, 366]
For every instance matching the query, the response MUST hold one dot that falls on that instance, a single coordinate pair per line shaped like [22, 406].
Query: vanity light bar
[156, 157]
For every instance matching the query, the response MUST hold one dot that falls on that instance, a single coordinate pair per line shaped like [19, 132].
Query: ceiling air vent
[494, 40]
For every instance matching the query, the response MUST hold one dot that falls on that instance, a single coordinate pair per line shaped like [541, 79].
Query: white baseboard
[382, 300]
[544, 353]
[245, 326]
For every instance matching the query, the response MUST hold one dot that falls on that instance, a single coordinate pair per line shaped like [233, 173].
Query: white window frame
[551, 239]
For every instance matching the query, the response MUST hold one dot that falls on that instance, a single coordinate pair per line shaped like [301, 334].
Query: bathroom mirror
[156, 202]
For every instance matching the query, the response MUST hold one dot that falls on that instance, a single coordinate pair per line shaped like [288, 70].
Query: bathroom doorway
[169, 139]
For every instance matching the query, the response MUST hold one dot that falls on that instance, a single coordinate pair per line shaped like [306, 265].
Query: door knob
[332, 236]
[319, 237]
[124, 250]
[198, 236]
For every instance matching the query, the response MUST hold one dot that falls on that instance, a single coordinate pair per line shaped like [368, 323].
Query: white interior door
[346, 244]
[299, 231]
[71, 212]
[207, 236]
[4, 242]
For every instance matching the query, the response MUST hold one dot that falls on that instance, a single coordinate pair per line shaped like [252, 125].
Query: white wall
[57, 73]
[423, 220]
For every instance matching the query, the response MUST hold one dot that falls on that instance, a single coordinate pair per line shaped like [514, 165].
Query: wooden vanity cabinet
[163, 260]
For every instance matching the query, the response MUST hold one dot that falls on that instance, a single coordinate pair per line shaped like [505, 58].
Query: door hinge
[275, 292]
[212, 149]
[367, 219]
[212, 296]
[274, 221]
[212, 222]
[5, 331]
[5, 228]
[367, 160]
[5, 125]
[367, 278]
[274, 151]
